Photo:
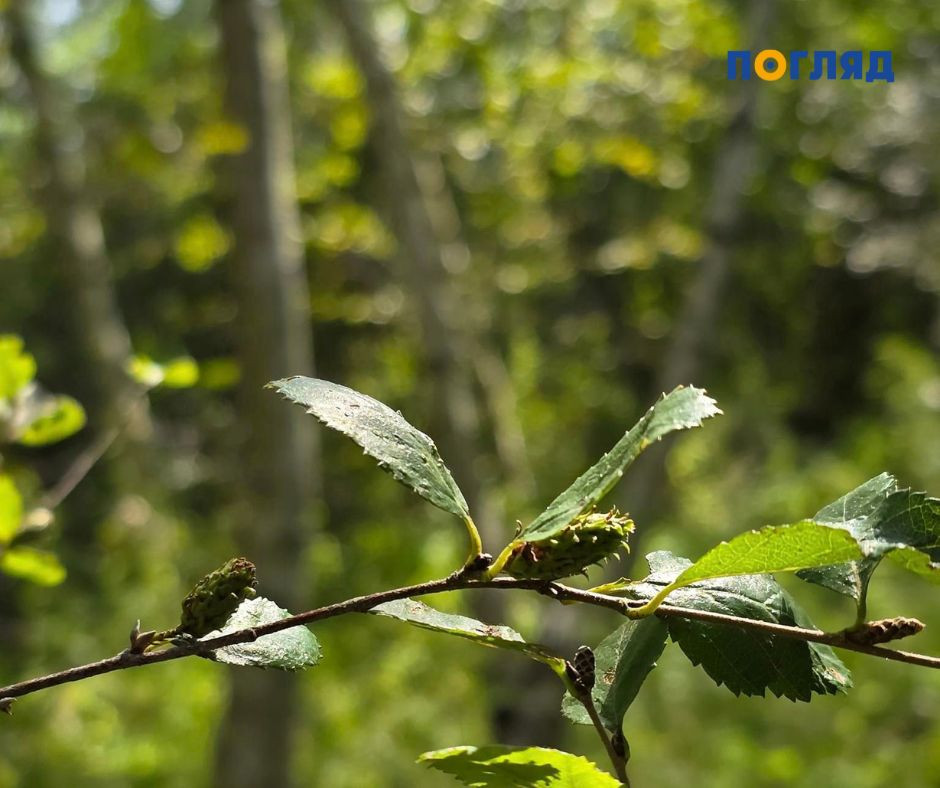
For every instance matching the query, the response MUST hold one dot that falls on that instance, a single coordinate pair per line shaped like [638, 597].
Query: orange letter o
[777, 57]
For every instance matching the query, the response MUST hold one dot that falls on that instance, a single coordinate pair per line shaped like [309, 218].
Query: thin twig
[89, 457]
[79, 469]
[456, 581]
[616, 759]
[835, 639]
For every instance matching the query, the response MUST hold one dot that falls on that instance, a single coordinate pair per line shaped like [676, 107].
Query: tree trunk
[98, 327]
[455, 408]
[279, 448]
[99, 344]
[492, 376]
[686, 358]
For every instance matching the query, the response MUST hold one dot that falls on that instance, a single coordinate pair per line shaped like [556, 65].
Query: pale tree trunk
[279, 451]
[457, 357]
[449, 333]
[492, 375]
[455, 412]
[99, 331]
[687, 356]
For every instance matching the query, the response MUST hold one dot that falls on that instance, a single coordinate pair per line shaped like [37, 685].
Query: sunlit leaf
[290, 649]
[145, 370]
[407, 454]
[11, 509]
[180, 373]
[59, 417]
[517, 767]
[36, 566]
[775, 548]
[683, 408]
[200, 243]
[913, 560]
[17, 367]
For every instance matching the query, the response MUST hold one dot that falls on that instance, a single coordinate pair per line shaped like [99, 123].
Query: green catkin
[214, 598]
[586, 540]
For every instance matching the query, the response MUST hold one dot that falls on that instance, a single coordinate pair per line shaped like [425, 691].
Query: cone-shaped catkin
[586, 540]
[214, 598]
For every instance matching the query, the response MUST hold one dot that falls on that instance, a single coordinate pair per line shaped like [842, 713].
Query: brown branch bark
[454, 582]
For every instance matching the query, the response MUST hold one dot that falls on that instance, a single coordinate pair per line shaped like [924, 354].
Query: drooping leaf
[407, 454]
[11, 509]
[775, 548]
[851, 512]
[17, 367]
[497, 636]
[57, 418]
[623, 660]
[683, 408]
[518, 767]
[37, 566]
[746, 661]
[289, 649]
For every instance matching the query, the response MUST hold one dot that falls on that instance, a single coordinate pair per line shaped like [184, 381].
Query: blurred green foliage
[29, 416]
[572, 147]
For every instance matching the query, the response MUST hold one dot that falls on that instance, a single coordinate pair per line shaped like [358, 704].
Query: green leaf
[405, 452]
[851, 513]
[290, 649]
[906, 519]
[17, 368]
[775, 548]
[902, 524]
[681, 409]
[145, 370]
[11, 509]
[517, 767]
[37, 566]
[919, 563]
[178, 373]
[623, 660]
[426, 617]
[746, 661]
[58, 418]
[906, 528]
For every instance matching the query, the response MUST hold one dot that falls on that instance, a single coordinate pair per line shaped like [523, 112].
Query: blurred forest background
[517, 222]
